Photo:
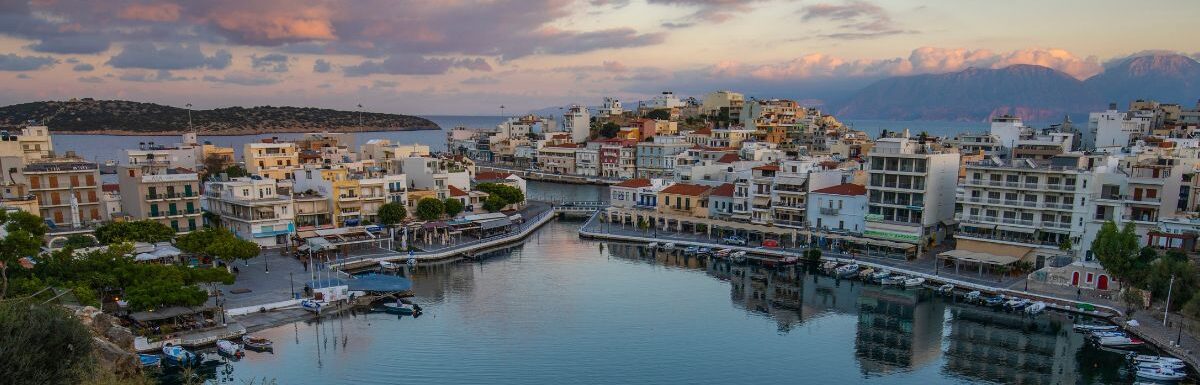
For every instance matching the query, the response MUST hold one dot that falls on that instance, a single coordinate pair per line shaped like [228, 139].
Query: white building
[839, 208]
[611, 107]
[666, 99]
[1113, 128]
[587, 161]
[911, 191]
[253, 209]
[577, 122]
[636, 193]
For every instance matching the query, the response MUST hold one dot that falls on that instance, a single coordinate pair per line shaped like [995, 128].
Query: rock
[121, 336]
[87, 315]
[114, 359]
[102, 322]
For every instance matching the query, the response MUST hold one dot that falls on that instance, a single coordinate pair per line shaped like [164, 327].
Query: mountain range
[1034, 93]
[120, 117]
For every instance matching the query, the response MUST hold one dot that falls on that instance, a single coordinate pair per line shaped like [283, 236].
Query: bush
[452, 206]
[494, 203]
[42, 344]
[429, 209]
[135, 231]
[392, 213]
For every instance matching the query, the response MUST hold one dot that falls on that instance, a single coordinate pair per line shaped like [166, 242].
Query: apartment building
[67, 190]
[383, 149]
[656, 159]
[273, 160]
[186, 154]
[434, 173]
[684, 199]
[225, 155]
[254, 209]
[636, 193]
[557, 158]
[313, 210]
[840, 208]
[160, 193]
[910, 190]
[587, 160]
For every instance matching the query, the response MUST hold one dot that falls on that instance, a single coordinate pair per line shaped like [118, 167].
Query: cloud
[169, 57]
[83, 67]
[377, 84]
[322, 66]
[150, 77]
[272, 62]
[91, 79]
[24, 76]
[161, 12]
[710, 11]
[75, 44]
[480, 80]
[242, 79]
[855, 19]
[13, 62]
[415, 65]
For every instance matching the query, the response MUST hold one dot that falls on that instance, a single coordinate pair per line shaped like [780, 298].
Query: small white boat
[311, 305]
[388, 265]
[230, 349]
[880, 275]
[412, 261]
[738, 256]
[1085, 328]
[1140, 358]
[914, 282]
[178, 355]
[1119, 342]
[789, 260]
[865, 274]
[669, 246]
[1160, 365]
[846, 270]
[257, 343]
[829, 266]
[1036, 308]
[894, 280]
[973, 295]
[653, 245]
[1161, 374]
[946, 289]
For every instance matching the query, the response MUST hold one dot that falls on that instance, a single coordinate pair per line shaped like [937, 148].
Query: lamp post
[1170, 286]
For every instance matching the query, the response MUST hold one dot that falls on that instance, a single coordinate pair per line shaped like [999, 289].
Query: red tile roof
[686, 189]
[703, 131]
[110, 187]
[729, 158]
[768, 167]
[457, 192]
[725, 190]
[488, 175]
[844, 189]
[635, 183]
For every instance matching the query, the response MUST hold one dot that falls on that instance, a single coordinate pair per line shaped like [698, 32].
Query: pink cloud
[162, 12]
[921, 60]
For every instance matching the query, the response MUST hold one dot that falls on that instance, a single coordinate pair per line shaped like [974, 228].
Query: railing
[170, 196]
[829, 211]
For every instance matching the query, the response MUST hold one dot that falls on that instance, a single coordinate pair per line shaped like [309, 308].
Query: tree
[218, 243]
[429, 209]
[136, 231]
[1117, 250]
[510, 195]
[43, 344]
[609, 130]
[213, 164]
[24, 240]
[494, 203]
[1160, 282]
[79, 241]
[659, 114]
[392, 213]
[452, 207]
[236, 171]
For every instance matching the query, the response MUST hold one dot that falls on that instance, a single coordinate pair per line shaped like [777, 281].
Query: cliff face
[133, 118]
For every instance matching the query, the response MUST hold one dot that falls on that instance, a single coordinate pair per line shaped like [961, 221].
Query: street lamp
[1170, 286]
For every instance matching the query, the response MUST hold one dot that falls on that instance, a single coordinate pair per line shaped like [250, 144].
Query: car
[734, 240]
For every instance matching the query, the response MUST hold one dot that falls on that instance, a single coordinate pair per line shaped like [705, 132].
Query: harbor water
[558, 309]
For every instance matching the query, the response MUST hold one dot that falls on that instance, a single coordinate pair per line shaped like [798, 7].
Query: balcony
[152, 197]
[829, 211]
[1144, 219]
[1001, 238]
[173, 213]
[347, 198]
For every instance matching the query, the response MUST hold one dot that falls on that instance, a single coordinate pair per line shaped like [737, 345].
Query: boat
[829, 266]
[653, 245]
[1115, 333]
[401, 307]
[914, 282]
[1160, 365]
[789, 260]
[994, 301]
[846, 270]
[878, 276]
[149, 360]
[738, 256]
[972, 295]
[1119, 342]
[946, 289]
[1017, 304]
[1160, 374]
[228, 348]
[388, 265]
[691, 250]
[704, 251]
[894, 280]
[257, 344]
[865, 274]
[668, 247]
[1036, 308]
[311, 305]
[1140, 358]
[1085, 328]
[179, 356]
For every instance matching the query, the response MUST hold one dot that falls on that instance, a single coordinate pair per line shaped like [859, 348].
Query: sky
[453, 57]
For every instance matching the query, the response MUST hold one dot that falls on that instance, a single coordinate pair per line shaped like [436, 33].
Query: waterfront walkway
[530, 174]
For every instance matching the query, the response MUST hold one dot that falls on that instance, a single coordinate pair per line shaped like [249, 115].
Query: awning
[985, 258]
[318, 243]
[498, 223]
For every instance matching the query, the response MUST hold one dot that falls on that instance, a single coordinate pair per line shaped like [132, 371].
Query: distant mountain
[1165, 78]
[1029, 91]
[119, 117]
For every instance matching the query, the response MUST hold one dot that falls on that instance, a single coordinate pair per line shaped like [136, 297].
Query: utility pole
[1170, 286]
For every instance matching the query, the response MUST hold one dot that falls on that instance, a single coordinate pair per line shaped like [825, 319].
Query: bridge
[585, 207]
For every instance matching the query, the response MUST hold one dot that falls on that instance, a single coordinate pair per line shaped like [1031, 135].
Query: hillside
[1031, 92]
[118, 117]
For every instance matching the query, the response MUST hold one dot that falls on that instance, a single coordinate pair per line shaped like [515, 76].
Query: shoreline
[239, 132]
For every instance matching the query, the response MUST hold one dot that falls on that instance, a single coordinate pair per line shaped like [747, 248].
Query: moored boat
[846, 270]
[1160, 374]
[257, 343]
[1085, 328]
[946, 289]
[229, 348]
[388, 265]
[1036, 308]
[738, 256]
[878, 276]
[914, 282]
[311, 305]
[179, 356]
[973, 295]
[1160, 365]
[1140, 358]
[653, 245]
[829, 266]
[894, 280]
[994, 301]
[691, 250]
[865, 274]
[1119, 342]
[149, 360]
[668, 247]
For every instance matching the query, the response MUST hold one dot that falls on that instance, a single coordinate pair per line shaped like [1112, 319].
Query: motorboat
[994, 301]
[401, 307]
[653, 245]
[1161, 374]
[914, 282]
[1160, 365]
[893, 280]
[878, 276]
[846, 270]
[1119, 342]
[668, 247]
[738, 256]
[829, 266]
[972, 295]
[1140, 358]
[388, 265]
[149, 360]
[230, 349]
[691, 250]
[1085, 328]
[865, 274]
[179, 356]
[1113, 333]
[1017, 304]
[946, 289]
[311, 305]
[257, 343]
[722, 253]
[1036, 308]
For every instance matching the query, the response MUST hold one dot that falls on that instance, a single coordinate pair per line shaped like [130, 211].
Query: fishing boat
[893, 280]
[388, 265]
[1140, 358]
[179, 356]
[230, 349]
[1036, 308]
[1160, 374]
[946, 289]
[846, 270]
[738, 256]
[1085, 328]
[149, 360]
[972, 295]
[1119, 342]
[914, 282]
[311, 305]
[257, 344]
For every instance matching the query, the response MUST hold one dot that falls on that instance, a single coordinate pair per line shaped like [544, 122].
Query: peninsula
[120, 117]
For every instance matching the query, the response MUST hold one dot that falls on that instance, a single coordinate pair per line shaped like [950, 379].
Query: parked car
[770, 243]
[734, 240]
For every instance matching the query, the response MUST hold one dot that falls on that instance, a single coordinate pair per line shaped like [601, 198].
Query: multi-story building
[577, 122]
[187, 154]
[270, 159]
[656, 159]
[313, 210]
[720, 201]
[434, 173]
[383, 149]
[1113, 128]
[684, 199]
[557, 158]
[355, 197]
[611, 107]
[636, 193]
[257, 210]
[163, 194]
[723, 102]
[841, 208]
[223, 156]
[910, 191]
[67, 190]
[504, 178]
[110, 201]
[587, 160]
[31, 144]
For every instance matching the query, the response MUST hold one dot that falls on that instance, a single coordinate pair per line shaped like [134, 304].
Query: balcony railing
[829, 211]
[170, 196]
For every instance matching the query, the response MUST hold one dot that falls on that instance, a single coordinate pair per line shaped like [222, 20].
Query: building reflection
[1011, 348]
[898, 329]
